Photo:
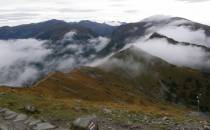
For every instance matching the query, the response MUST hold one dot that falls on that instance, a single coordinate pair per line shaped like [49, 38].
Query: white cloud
[69, 36]
[179, 30]
[27, 50]
[99, 43]
[180, 55]
[17, 59]
[194, 0]
[184, 34]
[23, 61]
[177, 54]
[103, 10]
[128, 65]
[67, 64]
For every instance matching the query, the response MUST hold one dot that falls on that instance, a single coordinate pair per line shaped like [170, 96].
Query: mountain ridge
[33, 30]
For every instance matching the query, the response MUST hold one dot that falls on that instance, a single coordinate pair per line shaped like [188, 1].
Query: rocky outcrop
[85, 123]
[10, 120]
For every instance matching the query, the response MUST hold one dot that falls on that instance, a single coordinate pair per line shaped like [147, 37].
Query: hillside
[154, 88]
[139, 74]
[159, 79]
[129, 76]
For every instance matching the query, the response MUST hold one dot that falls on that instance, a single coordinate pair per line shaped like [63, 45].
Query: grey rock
[206, 127]
[8, 113]
[60, 128]
[44, 126]
[10, 120]
[3, 110]
[165, 118]
[20, 117]
[11, 116]
[34, 122]
[3, 127]
[85, 123]
[29, 120]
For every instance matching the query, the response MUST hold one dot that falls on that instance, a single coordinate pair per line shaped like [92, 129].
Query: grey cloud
[189, 56]
[180, 55]
[23, 9]
[131, 11]
[7, 10]
[78, 10]
[24, 61]
[17, 16]
[175, 29]
[17, 61]
[129, 65]
[117, 5]
[117, 0]
[194, 1]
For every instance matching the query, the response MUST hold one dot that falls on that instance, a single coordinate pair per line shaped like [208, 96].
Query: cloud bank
[194, 1]
[129, 66]
[77, 52]
[180, 55]
[16, 12]
[24, 61]
[181, 30]
[18, 59]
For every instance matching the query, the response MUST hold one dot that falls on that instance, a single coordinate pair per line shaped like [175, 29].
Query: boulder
[20, 117]
[11, 116]
[2, 110]
[44, 126]
[34, 122]
[85, 123]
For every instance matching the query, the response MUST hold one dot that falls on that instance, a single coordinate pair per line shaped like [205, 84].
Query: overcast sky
[15, 12]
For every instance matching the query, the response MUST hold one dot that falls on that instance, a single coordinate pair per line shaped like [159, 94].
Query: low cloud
[183, 34]
[18, 61]
[181, 30]
[99, 43]
[24, 61]
[129, 66]
[188, 56]
[82, 52]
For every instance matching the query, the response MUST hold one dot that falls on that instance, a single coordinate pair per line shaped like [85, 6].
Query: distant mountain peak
[54, 21]
[162, 18]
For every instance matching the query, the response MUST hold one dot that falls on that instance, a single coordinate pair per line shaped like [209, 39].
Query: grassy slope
[164, 81]
[85, 91]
